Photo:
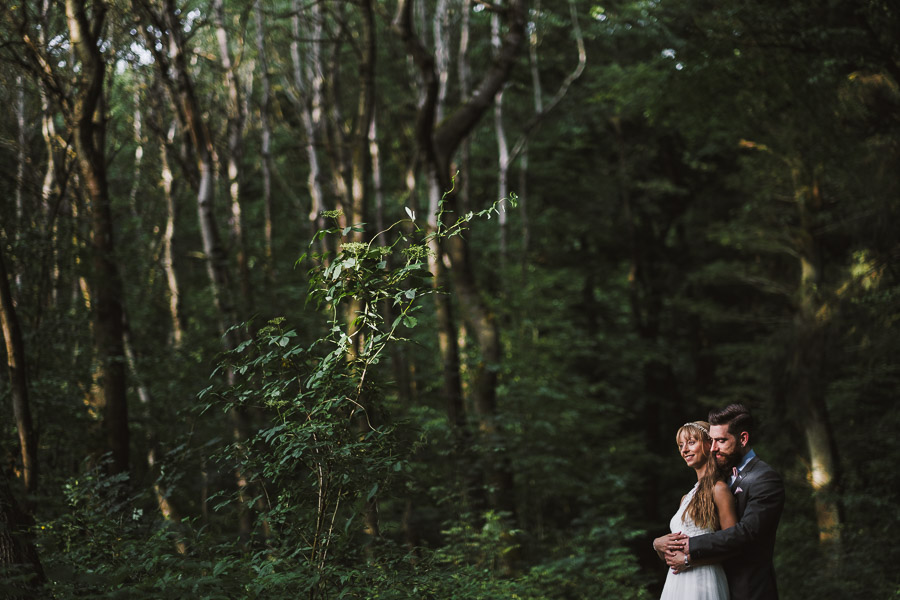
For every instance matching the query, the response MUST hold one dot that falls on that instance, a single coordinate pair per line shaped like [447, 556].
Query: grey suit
[748, 546]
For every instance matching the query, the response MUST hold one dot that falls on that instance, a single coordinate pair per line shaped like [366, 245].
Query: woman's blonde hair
[702, 508]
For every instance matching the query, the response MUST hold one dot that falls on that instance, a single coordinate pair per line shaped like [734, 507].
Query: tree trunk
[465, 88]
[89, 129]
[21, 155]
[360, 170]
[310, 103]
[502, 150]
[18, 555]
[235, 128]
[18, 380]
[808, 391]
[438, 142]
[168, 260]
[809, 377]
[138, 154]
[174, 71]
[54, 184]
[266, 133]
[166, 509]
[520, 148]
[538, 96]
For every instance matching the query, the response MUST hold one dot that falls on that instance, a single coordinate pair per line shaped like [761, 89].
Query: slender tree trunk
[428, 109]
[53, 186]
[166, 509]
[465, 89]
[266, 133]
[538, 96]
[398, 356]
[138, 154]
[310, 101]
[808, 393]
[174, 69]
[441, 27]
[18, 380]
[89, 126]
[335, 137]
[168, 261]
[502, 150]
[21, 158]
[361, 165]
[520, 148]
[235, 127]
[360, 170]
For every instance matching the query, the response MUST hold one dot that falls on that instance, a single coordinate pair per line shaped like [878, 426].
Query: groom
[747, 547]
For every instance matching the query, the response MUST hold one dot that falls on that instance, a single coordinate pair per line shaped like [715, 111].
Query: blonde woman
[707, 507]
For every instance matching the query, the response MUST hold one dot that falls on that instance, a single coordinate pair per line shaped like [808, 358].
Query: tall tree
[83, 110]
[163, 31]
[236, 118]
[18, 379]
[308, 79]
[265, 108]
[438, 142]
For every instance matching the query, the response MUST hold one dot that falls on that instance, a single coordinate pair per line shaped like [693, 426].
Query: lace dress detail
[706, 582]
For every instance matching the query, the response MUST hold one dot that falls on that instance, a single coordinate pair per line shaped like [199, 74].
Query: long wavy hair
[702, 508]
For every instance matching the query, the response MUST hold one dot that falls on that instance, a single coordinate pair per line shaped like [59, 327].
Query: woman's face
[695, 452]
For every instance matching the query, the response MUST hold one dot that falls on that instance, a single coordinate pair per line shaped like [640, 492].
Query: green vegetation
[258, 348]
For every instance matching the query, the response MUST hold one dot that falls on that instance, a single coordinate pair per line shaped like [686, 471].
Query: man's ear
[744, 439]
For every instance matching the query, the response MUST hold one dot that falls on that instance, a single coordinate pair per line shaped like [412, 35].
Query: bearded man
[746, 549]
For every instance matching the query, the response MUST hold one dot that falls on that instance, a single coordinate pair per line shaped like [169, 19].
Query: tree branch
[535, 120]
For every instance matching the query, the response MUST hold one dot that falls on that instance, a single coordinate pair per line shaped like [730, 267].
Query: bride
[708, 506]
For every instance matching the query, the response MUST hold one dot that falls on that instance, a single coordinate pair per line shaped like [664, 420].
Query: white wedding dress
[706, 582]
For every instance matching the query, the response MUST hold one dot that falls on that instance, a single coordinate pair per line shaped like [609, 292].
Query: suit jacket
[748, 546]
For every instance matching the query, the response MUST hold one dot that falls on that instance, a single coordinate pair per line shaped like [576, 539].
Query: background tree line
[407, 299]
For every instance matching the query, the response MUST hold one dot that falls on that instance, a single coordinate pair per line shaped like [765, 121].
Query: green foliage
[330, 452]
[654, 274]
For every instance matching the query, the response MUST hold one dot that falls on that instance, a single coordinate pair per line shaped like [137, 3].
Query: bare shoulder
[721, 490]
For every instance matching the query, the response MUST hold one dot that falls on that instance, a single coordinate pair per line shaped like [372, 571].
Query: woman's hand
[672, 542]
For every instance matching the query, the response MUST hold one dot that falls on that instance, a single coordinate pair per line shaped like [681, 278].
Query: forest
[365, 299]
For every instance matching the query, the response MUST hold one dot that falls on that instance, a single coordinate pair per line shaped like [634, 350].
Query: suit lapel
[744, 472]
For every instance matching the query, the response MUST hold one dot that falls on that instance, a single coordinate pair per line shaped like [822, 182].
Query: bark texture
[18, 556]
[88, 124]
[18, 380]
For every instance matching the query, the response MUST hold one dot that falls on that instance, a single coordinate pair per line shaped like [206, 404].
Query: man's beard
[725, 462]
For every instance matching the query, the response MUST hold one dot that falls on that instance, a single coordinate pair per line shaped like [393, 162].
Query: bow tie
[734, 472]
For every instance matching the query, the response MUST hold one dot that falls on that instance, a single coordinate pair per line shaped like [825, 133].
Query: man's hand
[675, 560]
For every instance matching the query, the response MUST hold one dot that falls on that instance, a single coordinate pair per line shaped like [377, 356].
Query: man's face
[727, 449]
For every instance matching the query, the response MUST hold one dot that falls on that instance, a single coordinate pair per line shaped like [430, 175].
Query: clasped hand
[672, 547]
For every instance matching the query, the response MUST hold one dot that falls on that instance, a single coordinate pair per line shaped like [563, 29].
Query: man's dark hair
[736, 416]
